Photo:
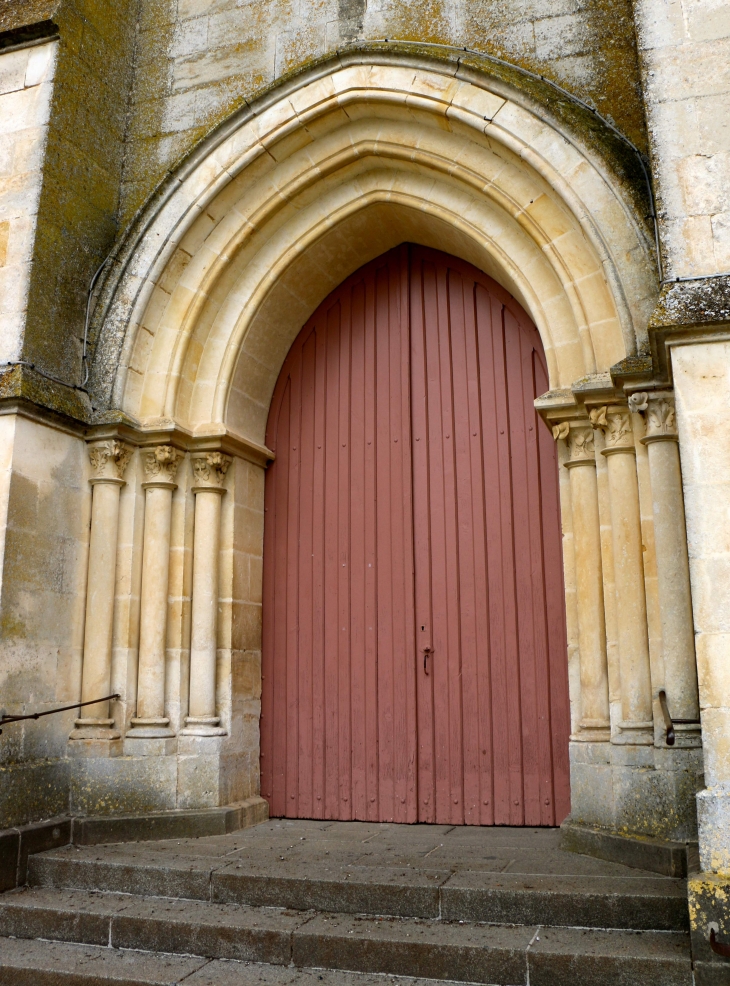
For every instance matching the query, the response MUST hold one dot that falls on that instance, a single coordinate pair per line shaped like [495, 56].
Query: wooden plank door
[338, 729]
[414, 655]
[492, 693]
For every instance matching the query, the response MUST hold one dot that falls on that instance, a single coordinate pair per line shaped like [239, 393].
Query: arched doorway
[414, 645]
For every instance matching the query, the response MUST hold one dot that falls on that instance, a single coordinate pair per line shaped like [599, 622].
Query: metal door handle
[426, 652]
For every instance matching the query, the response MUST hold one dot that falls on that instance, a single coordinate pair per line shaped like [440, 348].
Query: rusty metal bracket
[719, 948]
[670, 723]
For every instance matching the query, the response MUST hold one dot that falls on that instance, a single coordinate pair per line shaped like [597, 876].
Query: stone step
[42, 963]
[617, 902]
[500, 955]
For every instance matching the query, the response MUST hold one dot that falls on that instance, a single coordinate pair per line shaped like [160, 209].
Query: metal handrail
[670, 723]
[4, 719]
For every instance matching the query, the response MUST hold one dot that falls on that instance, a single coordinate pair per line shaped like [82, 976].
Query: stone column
[108, 462]
[209, 469]
[594, 725]
[670, 535]
[633, 640]
[151, 723]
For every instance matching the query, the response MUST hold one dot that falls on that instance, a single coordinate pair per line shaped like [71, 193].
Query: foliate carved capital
[579, 438]
[615, 422]
[659, 414]
[210, 468]
[581, 444]
[109, 459]
[160, 464]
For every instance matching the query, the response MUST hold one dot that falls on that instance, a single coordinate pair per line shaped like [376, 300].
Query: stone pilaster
[636, 727]
[95, 726]
[675, 602]
[150, 732]
[209, 469]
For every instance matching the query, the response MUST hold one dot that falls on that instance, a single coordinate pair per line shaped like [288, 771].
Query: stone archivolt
[511, 195]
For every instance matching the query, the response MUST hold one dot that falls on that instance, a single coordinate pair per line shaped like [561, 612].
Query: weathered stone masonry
[230, 164]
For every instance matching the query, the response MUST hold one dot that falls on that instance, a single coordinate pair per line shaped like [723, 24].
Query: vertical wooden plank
[408, 657]
[319, 780]
[469, 499]
[343, 480]
[385, 619]
[554, 603]
[543, 794]
[422, 543]
[307, 605]
[372, 775]
[360, 558]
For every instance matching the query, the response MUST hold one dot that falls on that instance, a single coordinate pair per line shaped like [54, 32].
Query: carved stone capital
[658, 412]
[160, 464]
[108, 460]
[614, 420]
[579, 438]
[209, 469]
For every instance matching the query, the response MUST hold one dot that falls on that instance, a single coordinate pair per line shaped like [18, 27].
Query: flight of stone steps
[342, 904]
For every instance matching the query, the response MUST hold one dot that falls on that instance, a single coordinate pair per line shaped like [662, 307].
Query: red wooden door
[414, 651]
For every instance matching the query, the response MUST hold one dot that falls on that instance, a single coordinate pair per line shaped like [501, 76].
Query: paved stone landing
[492, 906]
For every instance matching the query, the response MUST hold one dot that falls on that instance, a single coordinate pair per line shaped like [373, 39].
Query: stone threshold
[17, 844]
[675, 859]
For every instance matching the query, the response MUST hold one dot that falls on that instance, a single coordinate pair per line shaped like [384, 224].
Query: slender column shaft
[108, 461]
[633, 638]
[160, 467]
[153, 618]
[670, 535]
[97, 671]
[209, 469]
[595, 718]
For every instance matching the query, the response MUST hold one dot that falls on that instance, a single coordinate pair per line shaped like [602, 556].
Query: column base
[634, 734]
[592, 731]
[150, 738]
[713, 818]
[202, 726]
[136, 745]
[94, 738]
[687, 737]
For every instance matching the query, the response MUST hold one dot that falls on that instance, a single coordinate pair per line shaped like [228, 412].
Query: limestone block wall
[78, 194]
[685, 52]
[702, 381]
[44, 521]
[197, 61]
[26, 90]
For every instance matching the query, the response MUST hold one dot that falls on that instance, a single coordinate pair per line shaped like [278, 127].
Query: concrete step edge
[19, 843]
[27, 962]
[220, 883]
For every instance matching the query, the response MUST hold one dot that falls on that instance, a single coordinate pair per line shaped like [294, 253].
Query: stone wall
[44, 517]
[685, 54]
[198, 61]
[79, 192]
[26, 89]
